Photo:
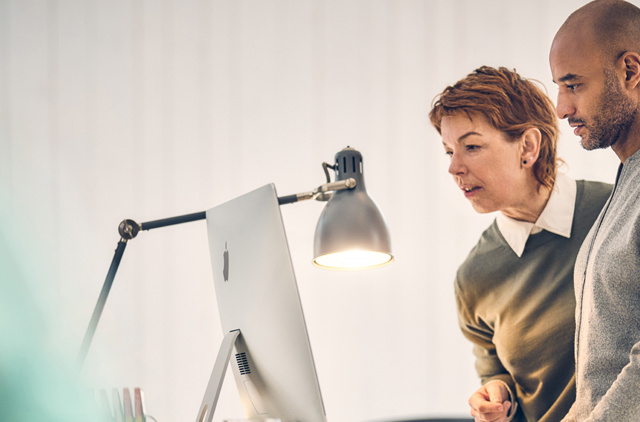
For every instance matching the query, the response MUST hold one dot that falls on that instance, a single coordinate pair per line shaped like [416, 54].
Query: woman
[514, 291]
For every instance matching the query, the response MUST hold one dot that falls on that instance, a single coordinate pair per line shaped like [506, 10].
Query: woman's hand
[490, 403]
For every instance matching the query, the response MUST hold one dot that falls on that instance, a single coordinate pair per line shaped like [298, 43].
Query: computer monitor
[257, 294]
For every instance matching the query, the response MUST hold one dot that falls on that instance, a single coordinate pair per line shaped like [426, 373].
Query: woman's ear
[530, 146]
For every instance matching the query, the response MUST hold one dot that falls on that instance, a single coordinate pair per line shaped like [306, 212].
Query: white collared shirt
[556, 217]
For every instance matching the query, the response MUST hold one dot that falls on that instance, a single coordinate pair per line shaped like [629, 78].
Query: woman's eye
[472, 147]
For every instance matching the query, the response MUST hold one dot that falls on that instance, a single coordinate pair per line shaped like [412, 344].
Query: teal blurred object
[35, 383]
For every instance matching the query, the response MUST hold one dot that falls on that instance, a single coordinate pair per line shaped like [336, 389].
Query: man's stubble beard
[615, 114]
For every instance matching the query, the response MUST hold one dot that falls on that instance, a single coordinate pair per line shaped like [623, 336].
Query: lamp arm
[102, 299]
[319, 193]
[128, 229]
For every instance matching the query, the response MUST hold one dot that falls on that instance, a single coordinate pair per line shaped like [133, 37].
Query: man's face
[590, 96]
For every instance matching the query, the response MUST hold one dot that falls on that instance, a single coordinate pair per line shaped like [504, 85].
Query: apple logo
[225, 268]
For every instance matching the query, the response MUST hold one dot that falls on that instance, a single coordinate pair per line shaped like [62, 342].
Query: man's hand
[490, 403]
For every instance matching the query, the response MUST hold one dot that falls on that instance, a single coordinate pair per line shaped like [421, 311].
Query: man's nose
[564, 106]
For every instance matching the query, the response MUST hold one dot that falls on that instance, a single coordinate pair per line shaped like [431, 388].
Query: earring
[524, 162]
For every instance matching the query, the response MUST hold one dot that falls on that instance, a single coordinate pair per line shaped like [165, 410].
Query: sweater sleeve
[621, 403]
[487, 364]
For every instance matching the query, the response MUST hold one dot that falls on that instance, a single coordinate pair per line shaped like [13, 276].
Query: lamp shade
[351, 232]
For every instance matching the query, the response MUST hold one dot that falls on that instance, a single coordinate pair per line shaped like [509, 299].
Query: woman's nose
[456, 166]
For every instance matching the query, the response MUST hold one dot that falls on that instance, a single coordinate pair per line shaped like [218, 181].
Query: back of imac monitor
[257, 294]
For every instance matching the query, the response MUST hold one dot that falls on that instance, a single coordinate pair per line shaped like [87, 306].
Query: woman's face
[485, 165]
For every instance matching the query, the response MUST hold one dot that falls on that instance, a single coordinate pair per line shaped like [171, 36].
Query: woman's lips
[469, 192]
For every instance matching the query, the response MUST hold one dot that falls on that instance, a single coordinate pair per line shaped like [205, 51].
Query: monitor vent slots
[243, 364]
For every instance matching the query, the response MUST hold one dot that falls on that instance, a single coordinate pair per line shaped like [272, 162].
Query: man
[595, 60]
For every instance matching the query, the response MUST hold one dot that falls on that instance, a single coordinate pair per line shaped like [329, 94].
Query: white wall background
[148, 109]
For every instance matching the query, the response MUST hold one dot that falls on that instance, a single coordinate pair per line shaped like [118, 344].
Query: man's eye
[449, 153]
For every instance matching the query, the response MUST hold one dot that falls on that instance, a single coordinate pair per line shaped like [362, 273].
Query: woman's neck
[531, 204]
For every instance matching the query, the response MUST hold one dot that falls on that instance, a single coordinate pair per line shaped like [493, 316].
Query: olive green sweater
[519, 312]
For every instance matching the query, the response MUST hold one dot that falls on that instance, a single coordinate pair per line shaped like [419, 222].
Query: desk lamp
[351, 226]
[351, 232]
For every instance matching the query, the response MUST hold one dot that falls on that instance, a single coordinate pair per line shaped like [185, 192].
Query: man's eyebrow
[567, 77]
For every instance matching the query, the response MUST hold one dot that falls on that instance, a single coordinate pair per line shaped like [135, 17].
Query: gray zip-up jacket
[607, 286]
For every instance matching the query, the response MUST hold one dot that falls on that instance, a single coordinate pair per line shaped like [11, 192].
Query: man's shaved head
[613, 27]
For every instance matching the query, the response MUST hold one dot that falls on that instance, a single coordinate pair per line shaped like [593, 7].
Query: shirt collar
[556, 217]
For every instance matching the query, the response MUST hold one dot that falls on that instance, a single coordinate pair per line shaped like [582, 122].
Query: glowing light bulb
[353, 260]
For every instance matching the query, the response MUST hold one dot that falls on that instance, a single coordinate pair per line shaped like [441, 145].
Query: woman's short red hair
[511, 104]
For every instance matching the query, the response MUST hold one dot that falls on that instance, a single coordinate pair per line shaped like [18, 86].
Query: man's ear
[631, 63]
[530, 146]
